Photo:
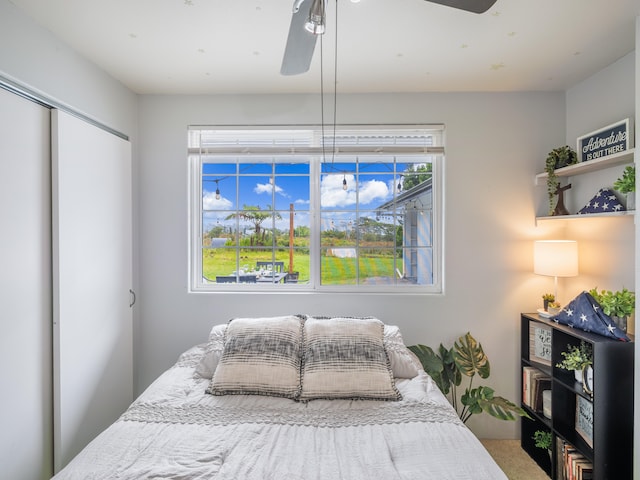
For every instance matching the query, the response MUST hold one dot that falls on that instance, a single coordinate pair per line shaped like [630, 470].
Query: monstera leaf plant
[466, 359]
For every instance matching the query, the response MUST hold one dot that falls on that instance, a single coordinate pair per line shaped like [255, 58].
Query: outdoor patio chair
[276, 266]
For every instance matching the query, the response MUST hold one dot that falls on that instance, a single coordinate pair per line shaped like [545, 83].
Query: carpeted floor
[514, 461]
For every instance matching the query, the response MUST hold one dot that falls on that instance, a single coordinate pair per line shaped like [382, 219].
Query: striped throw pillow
[261, 356]
[345, 358]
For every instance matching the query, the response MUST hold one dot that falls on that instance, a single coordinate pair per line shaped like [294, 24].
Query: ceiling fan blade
[300, 45]
[475, 6]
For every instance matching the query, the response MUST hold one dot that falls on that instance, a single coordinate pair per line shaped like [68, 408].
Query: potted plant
[577, 358]
[466, 358]
[626, 185]
[618, 305]
[548, 298]
[554, 308]
[557, 158]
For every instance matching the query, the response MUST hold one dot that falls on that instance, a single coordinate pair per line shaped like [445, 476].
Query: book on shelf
[540, 384]
[575, 466]
[584, 471]
[534, 382]
[559, 458]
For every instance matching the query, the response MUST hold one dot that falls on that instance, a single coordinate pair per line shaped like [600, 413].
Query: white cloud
[209, 202]
[372, 191]
[268, 188]
[333, 195]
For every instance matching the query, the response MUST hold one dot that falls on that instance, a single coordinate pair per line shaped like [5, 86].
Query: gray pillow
[345, 358]
[261, 356]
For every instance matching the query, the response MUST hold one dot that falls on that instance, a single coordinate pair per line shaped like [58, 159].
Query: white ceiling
[236, 46]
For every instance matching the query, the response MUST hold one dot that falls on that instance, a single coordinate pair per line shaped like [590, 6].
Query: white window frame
[318, 153]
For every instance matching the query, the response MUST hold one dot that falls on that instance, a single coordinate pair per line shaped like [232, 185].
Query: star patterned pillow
[605, 201]
[585, 313]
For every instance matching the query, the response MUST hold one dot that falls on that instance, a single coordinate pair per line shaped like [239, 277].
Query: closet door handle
[133, 298]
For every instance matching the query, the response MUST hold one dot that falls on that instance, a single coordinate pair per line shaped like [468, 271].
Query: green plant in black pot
[577, 357]
[627, 182]
[542, 439]
[557, 158]
[618, 305]
[466, 358]
[626, 185]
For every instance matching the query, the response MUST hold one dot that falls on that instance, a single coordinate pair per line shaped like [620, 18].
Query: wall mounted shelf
[622, 158]
[591, 166]
[625, 214]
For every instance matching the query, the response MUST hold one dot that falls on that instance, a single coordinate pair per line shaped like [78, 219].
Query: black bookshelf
[607, 438]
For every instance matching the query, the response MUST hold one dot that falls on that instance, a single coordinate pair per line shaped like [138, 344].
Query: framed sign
[584, 419]
[539, 343]
[612, 139]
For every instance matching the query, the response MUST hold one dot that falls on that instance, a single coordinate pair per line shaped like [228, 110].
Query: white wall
[35, 58]
[603, 98]
[495, 144]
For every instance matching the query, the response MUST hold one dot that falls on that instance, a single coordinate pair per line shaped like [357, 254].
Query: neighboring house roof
[408, 195]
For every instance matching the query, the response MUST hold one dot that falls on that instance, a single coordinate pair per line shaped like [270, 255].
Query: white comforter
[174, 430]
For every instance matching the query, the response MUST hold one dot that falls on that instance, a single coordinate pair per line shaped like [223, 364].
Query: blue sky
[290, 185]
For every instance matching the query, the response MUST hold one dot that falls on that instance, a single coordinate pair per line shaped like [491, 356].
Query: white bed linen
[174, 430]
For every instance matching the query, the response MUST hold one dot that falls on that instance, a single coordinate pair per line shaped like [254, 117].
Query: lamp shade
[555, 258]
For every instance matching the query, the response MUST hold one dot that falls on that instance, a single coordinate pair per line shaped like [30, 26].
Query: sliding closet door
[25, 290]
[93, 379]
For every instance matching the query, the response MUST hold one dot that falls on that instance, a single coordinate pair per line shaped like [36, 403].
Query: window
[305, 208]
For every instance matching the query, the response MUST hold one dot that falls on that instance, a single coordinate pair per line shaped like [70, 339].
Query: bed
[290, 398]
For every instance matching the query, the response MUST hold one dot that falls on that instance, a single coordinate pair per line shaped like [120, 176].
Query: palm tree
[256, 216]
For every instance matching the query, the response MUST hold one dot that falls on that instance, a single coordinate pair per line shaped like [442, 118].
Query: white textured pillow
[261, 356]
[404, 363]
[345, 358]
[212, 353]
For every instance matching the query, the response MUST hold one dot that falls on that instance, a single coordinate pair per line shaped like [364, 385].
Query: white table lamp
[555, 258]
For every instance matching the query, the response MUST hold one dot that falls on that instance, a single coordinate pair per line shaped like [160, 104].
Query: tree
[413, 176]
[302, 231]
[376, 229]
[216, 231]
[399, 240]
[256, 216]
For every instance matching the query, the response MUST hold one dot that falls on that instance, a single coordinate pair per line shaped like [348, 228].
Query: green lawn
[342, 271]
[335, 271]
[221, 261]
